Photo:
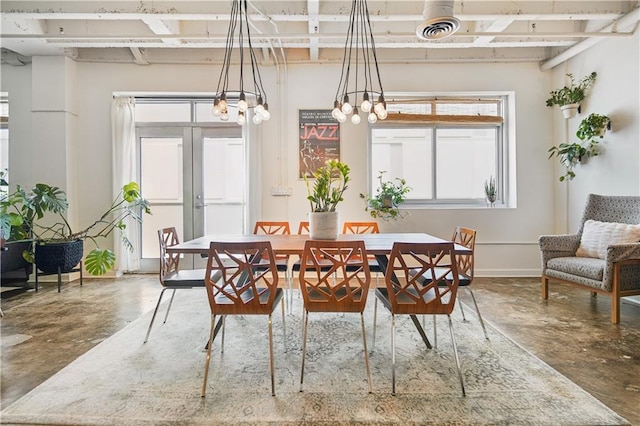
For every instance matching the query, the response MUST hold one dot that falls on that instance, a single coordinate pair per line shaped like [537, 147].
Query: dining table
[378, 245]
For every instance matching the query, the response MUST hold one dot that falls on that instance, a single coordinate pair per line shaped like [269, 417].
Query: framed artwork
[319, 140]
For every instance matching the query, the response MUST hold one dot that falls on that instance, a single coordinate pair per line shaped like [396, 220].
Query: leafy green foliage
[571, 154]
[389, 195]
[22, 212]
[572, 94]
[331, 180]
[592, 126]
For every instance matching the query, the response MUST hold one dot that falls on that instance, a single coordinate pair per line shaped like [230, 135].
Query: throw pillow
[597, 236]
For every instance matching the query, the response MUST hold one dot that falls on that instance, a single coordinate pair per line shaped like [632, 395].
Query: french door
[194, 179]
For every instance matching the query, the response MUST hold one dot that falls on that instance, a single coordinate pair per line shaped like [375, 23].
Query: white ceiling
[194, 31]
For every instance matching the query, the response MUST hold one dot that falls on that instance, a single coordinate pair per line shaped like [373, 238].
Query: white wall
[616, 93]
[507, 238]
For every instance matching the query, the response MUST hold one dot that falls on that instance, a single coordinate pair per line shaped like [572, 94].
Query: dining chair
[431, 291]
[467, 237]
[334, 277]
[282, 261]
[242, 279]
[171, 276]
[365, 228]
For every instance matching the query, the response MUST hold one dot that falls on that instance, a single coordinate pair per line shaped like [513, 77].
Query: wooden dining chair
[171, 276]
[282, 260]
[365, 228]
[467, 237]
[334, 277]
[242, 279]
[431, 291]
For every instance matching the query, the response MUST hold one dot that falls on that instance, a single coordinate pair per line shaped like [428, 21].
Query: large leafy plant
[26, 216]
[331, 180]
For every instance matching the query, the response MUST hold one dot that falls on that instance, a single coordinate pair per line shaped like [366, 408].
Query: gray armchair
[617, 275]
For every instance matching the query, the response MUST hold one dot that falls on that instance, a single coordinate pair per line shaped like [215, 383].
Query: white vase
[569, 110]
[323, 225]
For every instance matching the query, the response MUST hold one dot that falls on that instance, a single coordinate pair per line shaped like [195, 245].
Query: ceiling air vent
[439, 20]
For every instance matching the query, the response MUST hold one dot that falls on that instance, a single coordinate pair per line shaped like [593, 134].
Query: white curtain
[123, 134]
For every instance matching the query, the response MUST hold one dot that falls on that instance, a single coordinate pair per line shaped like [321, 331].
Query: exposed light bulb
[372, 117]
[223, 104]
[266, 115]
[382, 115]
[355, 119]
[347, 108]
[224, 116]
[241, 118]
[258, 110]
[257, 118]
[242, 102]
[342, 117]
[365, 105]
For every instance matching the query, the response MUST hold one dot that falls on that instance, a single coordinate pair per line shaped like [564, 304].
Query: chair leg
[366, 354]
[284, 325]
[224, 322]
[166, 315]
[464, 319]
[305, 320]
[455, 354]
[393, 354]
[375, 315]
[208, 358]
[271, 363]
[545, 287]
[435, 333]
[478, 312]
[153, 317]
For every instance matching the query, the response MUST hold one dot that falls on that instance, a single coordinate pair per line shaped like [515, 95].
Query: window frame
[505, 148]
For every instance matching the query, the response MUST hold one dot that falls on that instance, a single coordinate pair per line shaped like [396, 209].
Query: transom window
[445, 148]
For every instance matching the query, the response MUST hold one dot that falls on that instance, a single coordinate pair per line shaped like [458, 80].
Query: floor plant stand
[59, 273]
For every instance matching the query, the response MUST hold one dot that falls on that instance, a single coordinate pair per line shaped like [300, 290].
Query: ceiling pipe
[439, 21]
[629, 19]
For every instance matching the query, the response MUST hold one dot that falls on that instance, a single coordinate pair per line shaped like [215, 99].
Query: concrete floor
[43, 332]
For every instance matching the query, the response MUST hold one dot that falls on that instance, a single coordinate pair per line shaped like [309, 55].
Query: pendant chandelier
[255, 96]
[361, 59]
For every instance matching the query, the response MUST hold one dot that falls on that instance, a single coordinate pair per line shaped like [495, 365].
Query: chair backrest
[422, 278]
[334, 276]
[465, 237]
[611, 208]
[241, 278]
[272, 228]
[360, 228]
[303, 228]
[169, 263]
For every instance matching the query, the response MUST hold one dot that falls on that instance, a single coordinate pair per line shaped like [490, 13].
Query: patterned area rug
[125, 382]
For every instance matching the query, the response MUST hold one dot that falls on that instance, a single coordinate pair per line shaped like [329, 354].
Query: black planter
[65, 255]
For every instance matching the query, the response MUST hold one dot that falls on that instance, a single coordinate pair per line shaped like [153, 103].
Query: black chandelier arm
[346, 56]
[255, 70]
[224, 75]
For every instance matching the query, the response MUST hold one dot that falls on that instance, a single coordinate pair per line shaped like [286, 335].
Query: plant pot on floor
[65, 255]
[323, 225]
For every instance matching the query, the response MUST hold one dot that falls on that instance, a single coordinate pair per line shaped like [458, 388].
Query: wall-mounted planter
[570, 110]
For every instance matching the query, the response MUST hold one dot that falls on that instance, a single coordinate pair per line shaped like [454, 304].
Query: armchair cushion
[587, 267]
[597, 236]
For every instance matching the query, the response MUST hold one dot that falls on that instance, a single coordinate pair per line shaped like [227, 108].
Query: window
[445, 148]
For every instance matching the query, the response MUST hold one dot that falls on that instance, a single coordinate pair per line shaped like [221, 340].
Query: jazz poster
[319, 140]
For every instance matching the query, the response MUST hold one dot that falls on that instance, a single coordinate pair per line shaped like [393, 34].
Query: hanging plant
[570, 154]
[595, 125]
[574, 93]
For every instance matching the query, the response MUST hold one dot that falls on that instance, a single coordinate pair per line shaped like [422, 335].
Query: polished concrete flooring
[43, 332]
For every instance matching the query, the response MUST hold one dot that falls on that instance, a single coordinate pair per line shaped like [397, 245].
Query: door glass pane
[161, 178]
[465, 159]
[163, 112]
[224, 183]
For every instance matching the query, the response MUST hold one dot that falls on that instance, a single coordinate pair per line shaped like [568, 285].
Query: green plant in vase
[490, 190]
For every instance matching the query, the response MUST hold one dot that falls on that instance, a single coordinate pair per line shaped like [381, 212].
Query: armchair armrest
[553, 246]
[627, 255]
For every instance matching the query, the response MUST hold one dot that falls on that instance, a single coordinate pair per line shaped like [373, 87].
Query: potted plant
[389, 195]
[331, 180]
[569, 97]
[22, 219]
[594, 125]
[570, 154]
[490, 190]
